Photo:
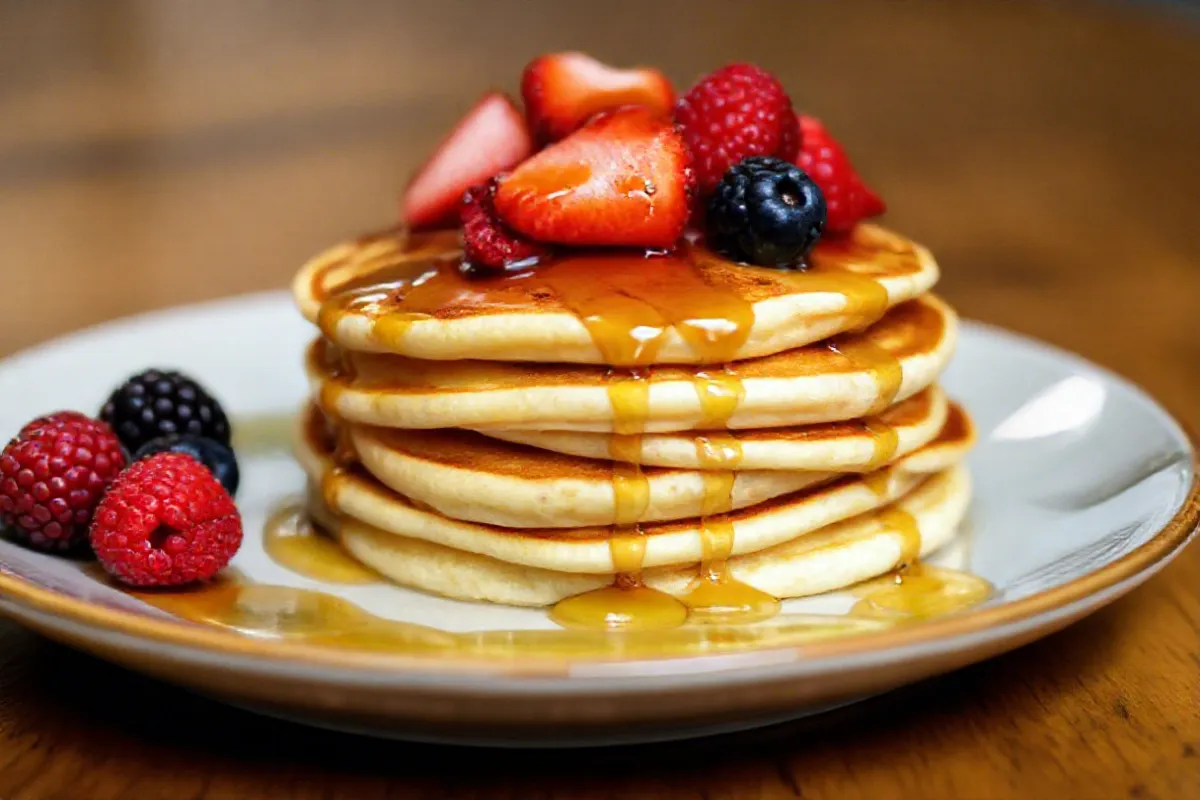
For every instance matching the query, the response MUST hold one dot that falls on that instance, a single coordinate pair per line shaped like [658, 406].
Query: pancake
[401, 293]
[354, 493]
[845, 446]
[826, 559]
[467, 476]
[846, 378]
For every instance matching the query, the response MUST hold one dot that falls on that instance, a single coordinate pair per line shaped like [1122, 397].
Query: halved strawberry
[563, 90]
[624, 178]
[491, 138]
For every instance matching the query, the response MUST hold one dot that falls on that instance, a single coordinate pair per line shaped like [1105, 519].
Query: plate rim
[1163, 544]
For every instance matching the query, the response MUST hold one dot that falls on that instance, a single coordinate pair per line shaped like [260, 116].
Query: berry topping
[766, 211]
[736, 112]
[53, 475]
[491, 138]
[563, 90]
[488, 242]
[624, 178]
[160, 402]
[166, 522]
[826, 163]
[217, 458]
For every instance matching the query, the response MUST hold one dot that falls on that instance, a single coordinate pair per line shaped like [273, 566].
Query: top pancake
[405, 294]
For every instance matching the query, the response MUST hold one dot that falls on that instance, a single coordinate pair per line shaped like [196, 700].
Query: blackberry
[160, 403]
[219, 459]
[766, 211]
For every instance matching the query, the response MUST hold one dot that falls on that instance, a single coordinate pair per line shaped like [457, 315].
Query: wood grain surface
[153, 153]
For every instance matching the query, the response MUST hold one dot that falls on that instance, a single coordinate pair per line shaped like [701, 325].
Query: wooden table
[153, 153]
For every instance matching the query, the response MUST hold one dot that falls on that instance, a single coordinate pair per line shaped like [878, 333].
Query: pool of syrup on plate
[316, 617]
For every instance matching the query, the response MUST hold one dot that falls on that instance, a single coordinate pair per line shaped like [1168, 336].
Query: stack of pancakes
[632, 437]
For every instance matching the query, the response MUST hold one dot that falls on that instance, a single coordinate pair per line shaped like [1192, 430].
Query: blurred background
[155, 152]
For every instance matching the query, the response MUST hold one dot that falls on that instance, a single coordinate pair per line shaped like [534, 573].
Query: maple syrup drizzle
[293, 541]
[904, 524]
[879, 482]
[628, 321]
[716, 595]
[884, 442]
[335, 427]
[629, 334]
[883, 367]
[715, 323]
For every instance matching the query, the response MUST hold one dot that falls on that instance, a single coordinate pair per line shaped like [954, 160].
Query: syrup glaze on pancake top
[409, 322]
[406, 293]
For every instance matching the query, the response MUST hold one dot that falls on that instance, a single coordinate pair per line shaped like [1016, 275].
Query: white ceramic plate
[1085, 487]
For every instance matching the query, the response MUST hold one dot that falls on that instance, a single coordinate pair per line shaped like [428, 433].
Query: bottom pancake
[829, 558]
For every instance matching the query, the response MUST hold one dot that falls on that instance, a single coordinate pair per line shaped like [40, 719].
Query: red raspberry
[487, 241]
[733, 113]
[166, 521]
[53, 475]
[846, 197]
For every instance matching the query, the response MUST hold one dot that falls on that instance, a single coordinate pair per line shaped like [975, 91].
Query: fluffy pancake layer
[854, 376]
[467, 476]
[356, 494]
[828, 558]
[844, 446]
[543, 316]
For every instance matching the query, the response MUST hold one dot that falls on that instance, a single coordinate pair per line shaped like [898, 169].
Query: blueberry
[219, 459]
[766, 211]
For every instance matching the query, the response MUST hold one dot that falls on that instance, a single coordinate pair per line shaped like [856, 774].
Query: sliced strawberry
[491, 138]
[563, 90]
[624, 178]
[848, 199]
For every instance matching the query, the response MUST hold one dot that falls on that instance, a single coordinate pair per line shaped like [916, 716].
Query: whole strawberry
[490, 139]
[731, 114]
[166, 521]
[848, 199]
[52, 476]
